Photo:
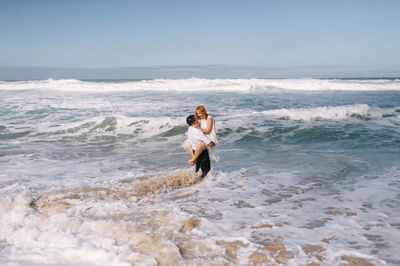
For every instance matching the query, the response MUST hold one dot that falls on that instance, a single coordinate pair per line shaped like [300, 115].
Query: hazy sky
[349, 34]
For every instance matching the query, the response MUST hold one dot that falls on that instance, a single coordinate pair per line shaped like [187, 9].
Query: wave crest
[198, 84]
[326, 113]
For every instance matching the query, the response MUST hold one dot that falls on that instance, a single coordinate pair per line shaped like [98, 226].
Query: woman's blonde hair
[202, 110]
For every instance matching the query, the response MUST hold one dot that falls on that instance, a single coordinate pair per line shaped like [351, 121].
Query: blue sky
[348, 37]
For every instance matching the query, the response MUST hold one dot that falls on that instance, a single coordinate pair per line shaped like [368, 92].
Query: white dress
[211, 136]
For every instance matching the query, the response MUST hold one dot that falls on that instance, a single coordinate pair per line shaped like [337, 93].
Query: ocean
[93, 172]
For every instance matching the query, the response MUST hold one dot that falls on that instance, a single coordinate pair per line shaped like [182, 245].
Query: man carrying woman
[199, 145]
[198, 142]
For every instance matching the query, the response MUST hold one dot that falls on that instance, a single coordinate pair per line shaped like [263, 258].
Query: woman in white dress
[207, 125]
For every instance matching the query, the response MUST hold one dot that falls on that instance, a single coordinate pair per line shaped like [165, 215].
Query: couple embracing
[201, 140]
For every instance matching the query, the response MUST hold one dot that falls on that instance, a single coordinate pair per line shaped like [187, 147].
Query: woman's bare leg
[202, 146]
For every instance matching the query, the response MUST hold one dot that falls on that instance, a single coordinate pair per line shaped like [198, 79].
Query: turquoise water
[309, 166]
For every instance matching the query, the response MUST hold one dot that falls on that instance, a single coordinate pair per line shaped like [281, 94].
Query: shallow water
[94, 173]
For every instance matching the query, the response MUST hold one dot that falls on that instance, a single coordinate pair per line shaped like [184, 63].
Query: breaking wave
[326, 112]
[115, 225]
[197, 84]
[114, 128]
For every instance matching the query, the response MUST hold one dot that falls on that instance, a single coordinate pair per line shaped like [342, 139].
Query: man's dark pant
[203, 162]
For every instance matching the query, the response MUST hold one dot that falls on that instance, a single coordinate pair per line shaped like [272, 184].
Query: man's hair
[190, 120]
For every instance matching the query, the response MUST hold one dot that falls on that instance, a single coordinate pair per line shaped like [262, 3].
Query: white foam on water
[326, 112]
[197, 84]
[91, 128]
[379, 116]
[312, 224]
[241, 217]
[309, 114]
[104, 225]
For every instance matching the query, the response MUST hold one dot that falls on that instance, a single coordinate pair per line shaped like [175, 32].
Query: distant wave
[326, 113]
[197, 84]
[308, 114]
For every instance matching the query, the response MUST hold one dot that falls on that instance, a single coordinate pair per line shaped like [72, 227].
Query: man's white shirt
[196, 136]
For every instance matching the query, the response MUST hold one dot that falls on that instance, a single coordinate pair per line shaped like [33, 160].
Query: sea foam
[326, 112]
[197, 84]
[309, 114]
